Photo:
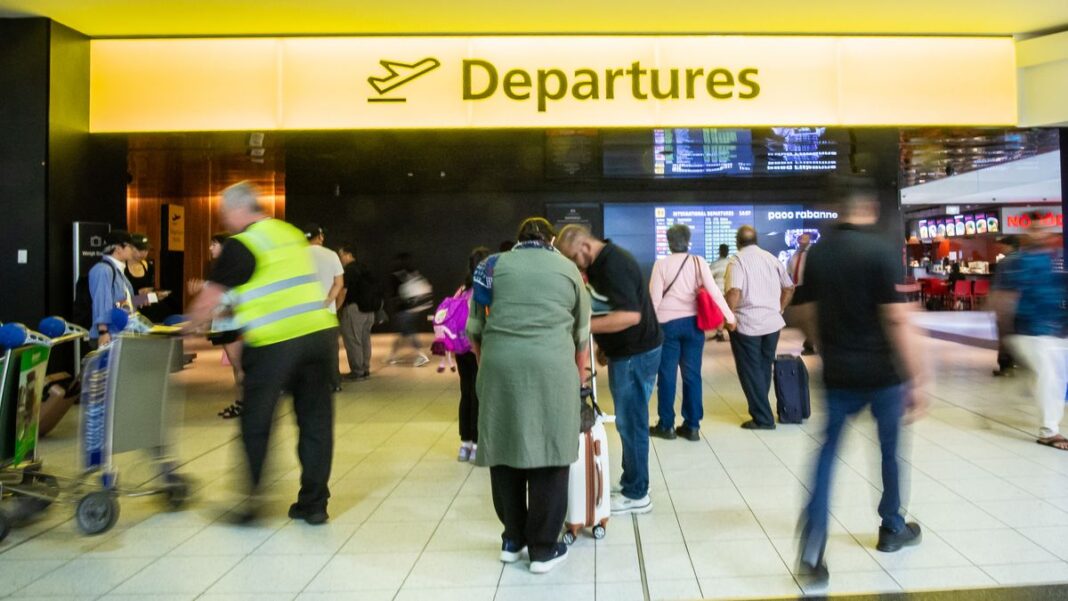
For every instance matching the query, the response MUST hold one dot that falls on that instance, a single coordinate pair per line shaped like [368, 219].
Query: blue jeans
[684, 346]
[631, 380]
[887, 407]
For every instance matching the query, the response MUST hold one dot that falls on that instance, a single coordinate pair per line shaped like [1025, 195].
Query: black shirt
[851, 273]
[615, 277]
[235, 265]
[361, 288]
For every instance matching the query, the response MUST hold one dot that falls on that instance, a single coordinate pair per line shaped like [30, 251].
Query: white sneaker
[465, 453]
[623, 505]
[545, 566]
[473, 454]
[421, 361]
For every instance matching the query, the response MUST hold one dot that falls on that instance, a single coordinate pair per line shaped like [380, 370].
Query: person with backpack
[450, 324]
[107, 287]
[361, 298]
[413, 297]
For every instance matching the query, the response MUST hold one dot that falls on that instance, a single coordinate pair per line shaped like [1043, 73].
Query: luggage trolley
[127, 406]
[23, 367]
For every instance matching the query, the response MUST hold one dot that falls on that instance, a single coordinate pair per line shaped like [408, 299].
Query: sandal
[234, 410]
[1057, 442]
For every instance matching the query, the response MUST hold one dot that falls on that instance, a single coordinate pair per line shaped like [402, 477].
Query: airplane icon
[398, 75]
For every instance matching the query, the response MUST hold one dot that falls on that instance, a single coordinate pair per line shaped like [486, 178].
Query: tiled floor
[410, 523]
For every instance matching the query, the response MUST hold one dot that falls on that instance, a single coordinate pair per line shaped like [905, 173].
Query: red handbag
[709, 317]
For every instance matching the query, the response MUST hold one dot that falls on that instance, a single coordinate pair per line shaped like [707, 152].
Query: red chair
[962, 293]
[980, 292]
[938, 289]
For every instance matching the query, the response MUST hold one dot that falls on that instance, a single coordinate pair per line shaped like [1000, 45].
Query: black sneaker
[511, 551]
[691, 434]
[665, 433]
[893, 541]
[753, 425]
[314, 517]
[546, 564]
[814, 575]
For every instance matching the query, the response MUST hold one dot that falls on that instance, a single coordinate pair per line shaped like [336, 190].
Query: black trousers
[304, 365]
[467, 367]
[539, 521]
[754, 357]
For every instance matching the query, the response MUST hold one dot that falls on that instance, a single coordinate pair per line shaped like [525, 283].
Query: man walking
[362, 299]
[331, 278]
[861, 324]
[796, 269]
[629, 334]
[758, 291]
[1029, 298]
[290, 342]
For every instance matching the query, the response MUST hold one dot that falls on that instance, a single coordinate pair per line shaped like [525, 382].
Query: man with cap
[332, 278]
[108, 286]
[290, 342]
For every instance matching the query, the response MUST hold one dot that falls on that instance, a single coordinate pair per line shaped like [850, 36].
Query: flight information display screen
[699, 152]
[726, 152]
[642, 228]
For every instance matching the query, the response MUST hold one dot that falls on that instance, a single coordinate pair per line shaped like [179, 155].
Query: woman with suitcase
[528, 325]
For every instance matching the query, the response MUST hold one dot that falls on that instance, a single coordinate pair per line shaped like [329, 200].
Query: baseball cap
[140, 241]
[117, 237]
[312, 230]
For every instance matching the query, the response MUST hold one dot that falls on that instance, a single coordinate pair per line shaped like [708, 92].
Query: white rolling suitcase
[588, 499]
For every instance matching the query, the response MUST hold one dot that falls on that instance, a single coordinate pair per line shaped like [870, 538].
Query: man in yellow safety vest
[290, 342]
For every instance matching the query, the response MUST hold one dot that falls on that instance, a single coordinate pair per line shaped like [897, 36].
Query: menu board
[968, 224]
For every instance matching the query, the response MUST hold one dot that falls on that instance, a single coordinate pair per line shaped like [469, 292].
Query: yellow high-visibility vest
[284, 299]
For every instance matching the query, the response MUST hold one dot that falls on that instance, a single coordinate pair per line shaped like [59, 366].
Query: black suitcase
[791, 389]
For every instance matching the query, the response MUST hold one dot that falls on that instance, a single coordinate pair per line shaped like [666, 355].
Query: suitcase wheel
[599, 532]
[569, 538]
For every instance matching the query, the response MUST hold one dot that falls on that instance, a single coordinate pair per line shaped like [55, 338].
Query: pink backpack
[450, 321]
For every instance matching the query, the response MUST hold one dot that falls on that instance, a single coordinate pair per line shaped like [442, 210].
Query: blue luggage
[791, 389]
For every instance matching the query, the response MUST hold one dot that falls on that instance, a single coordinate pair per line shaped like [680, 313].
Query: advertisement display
[642, 228]
[32, 366]
[22, 378]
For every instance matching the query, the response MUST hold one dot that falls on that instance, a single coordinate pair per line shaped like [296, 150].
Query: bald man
[758, 290]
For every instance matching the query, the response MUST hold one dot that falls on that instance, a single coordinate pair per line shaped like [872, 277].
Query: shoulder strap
[677, 274]
[697, 268]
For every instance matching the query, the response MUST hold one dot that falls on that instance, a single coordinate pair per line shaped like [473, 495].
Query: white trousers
[1045, 356]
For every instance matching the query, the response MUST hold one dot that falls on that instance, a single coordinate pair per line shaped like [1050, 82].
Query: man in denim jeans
[629, 334]
[862, 331]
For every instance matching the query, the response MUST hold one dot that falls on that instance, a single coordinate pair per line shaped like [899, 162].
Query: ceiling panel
[111, 18]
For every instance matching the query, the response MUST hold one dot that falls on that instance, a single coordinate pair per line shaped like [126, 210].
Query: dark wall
[23, 173]
[52, 172]
[439, 194]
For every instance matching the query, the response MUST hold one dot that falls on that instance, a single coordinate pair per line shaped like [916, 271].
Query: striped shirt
[761, 279]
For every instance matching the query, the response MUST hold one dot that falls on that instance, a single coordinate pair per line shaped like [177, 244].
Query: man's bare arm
[616, 321]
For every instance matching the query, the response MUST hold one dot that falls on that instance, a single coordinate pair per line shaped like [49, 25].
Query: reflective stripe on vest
[262, 291]
[283, 299]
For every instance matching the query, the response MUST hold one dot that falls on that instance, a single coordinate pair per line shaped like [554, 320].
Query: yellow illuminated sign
[548, 81]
